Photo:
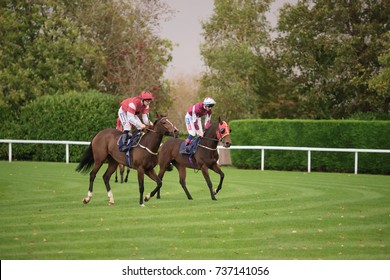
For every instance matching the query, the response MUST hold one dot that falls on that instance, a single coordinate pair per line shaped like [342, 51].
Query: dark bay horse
[205, 158]
[143, 157]
[121, 168]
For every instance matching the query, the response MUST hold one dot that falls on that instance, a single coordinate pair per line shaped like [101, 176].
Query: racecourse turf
[258, 215]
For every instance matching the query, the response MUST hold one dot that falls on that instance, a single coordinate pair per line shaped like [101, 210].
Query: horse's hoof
[147, 198]
[110, 203]
[85, 201]
[142, 205]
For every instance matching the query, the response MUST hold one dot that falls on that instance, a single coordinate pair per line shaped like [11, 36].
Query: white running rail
[262, 148]
[309, 150]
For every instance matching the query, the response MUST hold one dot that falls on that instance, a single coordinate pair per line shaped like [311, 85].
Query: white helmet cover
[209, 101]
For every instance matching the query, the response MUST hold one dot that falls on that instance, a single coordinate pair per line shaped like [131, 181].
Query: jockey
[193, 118]
[128, 111]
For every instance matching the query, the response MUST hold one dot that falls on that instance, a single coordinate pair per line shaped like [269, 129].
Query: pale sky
[185, 29]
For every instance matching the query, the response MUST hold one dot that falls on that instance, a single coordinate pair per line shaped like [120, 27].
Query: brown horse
[121, 168]
[143, 157]
[205, 158]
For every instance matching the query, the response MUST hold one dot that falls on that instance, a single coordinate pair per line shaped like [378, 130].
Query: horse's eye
[222, 130]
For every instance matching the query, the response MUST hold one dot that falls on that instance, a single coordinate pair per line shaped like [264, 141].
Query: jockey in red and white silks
[129, 109]
[193, 118]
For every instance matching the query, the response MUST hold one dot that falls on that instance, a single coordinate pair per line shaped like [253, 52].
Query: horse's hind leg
[116, 175]
[121, 171]
[92, 177]
[112, 165]
[127, 174]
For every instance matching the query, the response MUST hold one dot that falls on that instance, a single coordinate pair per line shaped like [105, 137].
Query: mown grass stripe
[258, 215]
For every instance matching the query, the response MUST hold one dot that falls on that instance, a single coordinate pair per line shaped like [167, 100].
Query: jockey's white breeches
[125, 117]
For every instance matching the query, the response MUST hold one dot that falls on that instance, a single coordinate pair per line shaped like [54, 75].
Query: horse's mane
[159, 117]
[210, 127]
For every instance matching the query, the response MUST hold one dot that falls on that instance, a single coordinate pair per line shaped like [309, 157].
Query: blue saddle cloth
[131, 142]
[189, 150]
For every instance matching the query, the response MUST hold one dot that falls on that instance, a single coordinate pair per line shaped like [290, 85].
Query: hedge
[76, 116]
[311, 133]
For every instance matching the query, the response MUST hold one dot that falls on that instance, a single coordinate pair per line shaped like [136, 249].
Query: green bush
[308, 133]
[73, 116]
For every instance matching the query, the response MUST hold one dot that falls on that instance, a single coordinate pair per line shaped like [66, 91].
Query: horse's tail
[87, 161]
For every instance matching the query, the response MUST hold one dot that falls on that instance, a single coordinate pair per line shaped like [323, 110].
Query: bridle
[162, 133]
[158, 132]
[222, 132]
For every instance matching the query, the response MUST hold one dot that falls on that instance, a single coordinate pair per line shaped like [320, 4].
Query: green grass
[258, 215]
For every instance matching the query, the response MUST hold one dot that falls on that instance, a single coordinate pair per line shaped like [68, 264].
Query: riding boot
[125, 138]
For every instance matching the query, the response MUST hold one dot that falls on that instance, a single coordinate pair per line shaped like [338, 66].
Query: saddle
[189, 150]
[131, 143]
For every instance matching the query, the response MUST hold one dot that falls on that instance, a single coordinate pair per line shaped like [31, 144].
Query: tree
[125, 31]
[330, 51]
[51, 47]
[236, 52]
[40, 52]
[381, 81]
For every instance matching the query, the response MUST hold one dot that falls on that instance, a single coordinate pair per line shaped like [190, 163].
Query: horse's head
[164, 126]
[223, 133]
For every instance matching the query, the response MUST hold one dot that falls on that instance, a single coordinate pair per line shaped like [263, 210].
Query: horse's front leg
[153, 175]
[182, 178]
[206, 175]
[217, 169]
[141, 176]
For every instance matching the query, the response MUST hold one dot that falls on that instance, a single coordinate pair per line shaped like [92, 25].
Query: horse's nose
[227, 144]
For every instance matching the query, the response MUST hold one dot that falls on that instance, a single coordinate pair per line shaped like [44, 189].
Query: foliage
[259, 215]
[305, 133]
[51, 47]
[72, 116]
[330, 50]
[41, 53]
[136, 58]
[236, 44]
[381, 81]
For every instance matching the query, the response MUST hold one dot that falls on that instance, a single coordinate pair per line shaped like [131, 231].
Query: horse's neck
[151, 140]
[210, 138]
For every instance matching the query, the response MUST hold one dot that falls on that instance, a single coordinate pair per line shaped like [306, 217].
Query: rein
[213, 139]
[146, 148]
[208, 148]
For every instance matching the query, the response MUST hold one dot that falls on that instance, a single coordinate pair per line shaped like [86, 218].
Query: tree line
[329, 59]
[325, 59]
[50, 47]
